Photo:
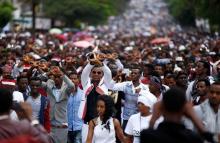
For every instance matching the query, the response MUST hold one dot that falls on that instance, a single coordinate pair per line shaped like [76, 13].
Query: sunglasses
[97, 72]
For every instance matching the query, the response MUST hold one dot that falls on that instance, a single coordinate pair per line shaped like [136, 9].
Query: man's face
[171, 82]
[202, 89]
[135, 74]
[10, 62]
[182, 80]
[96, 74]
[6, 74]
[22, 84]
[190, 66]
[214, 95]
[159, 70]
[58, 80]
[74, 79]
[169, 67]
[35, 84]
[199, 68]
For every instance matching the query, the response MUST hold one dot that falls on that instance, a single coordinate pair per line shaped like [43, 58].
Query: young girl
[104, 128]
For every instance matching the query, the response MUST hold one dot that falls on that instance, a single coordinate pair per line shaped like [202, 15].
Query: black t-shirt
[169, 132]
[92, 99]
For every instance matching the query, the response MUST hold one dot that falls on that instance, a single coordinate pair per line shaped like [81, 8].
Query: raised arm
[107, 74]
[85, 74]
[68, 81]
[119, 64]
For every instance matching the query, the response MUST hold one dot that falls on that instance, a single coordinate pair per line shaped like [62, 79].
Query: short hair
[206, 65]
[6, 100]
[135, 66]
[170, 75]
[73, 72]
[180, 73]
[207, 82]
[35, 78]
[174, 99]
[149, 66]
[21, 77]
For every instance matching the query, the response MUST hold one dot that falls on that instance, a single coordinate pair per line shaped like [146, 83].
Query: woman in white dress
[104, 128]
[141, 120]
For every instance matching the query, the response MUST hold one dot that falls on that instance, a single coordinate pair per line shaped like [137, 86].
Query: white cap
[179, 59]
[181, 48]
[147, 99]
[128, 49]
[18, 96]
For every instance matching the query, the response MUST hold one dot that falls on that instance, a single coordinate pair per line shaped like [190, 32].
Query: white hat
[179, 59]
[128, 48]
[148, 100]
[181, 48]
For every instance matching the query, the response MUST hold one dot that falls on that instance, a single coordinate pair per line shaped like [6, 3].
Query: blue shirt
[74, 122]
[130, 104]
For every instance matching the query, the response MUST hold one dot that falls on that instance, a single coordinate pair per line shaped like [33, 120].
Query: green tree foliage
[6, 10]
[87, 11]
[186, 11]
[183, 11]
[209, 9]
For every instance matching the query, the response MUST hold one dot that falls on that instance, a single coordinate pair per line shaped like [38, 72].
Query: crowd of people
[119, 88]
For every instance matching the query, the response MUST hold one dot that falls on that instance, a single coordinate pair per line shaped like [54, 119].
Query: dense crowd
[92, 87]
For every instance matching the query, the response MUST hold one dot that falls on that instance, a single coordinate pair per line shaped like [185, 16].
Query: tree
[87, 11]
[209, 9]
[183, 11]
[186, 11]
[6, 10]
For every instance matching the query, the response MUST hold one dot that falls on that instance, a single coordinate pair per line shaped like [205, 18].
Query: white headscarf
[148, 100]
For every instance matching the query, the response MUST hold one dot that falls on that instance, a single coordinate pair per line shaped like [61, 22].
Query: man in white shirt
[209, 110]
[94, 78]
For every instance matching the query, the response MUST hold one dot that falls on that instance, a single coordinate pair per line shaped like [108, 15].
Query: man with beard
[202, 88]
[209, 110]
[202, 71]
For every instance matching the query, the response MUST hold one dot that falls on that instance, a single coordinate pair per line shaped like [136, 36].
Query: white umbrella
[55, 31]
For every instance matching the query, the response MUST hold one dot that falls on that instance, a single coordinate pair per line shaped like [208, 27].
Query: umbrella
[82, 44]
[55, 31]
[61, 37]
[160, 41]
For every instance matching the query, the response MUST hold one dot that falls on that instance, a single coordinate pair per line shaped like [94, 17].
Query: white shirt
[136, 124]
[57, 94]
[103, 135]
[211, 120]
[35, 104]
